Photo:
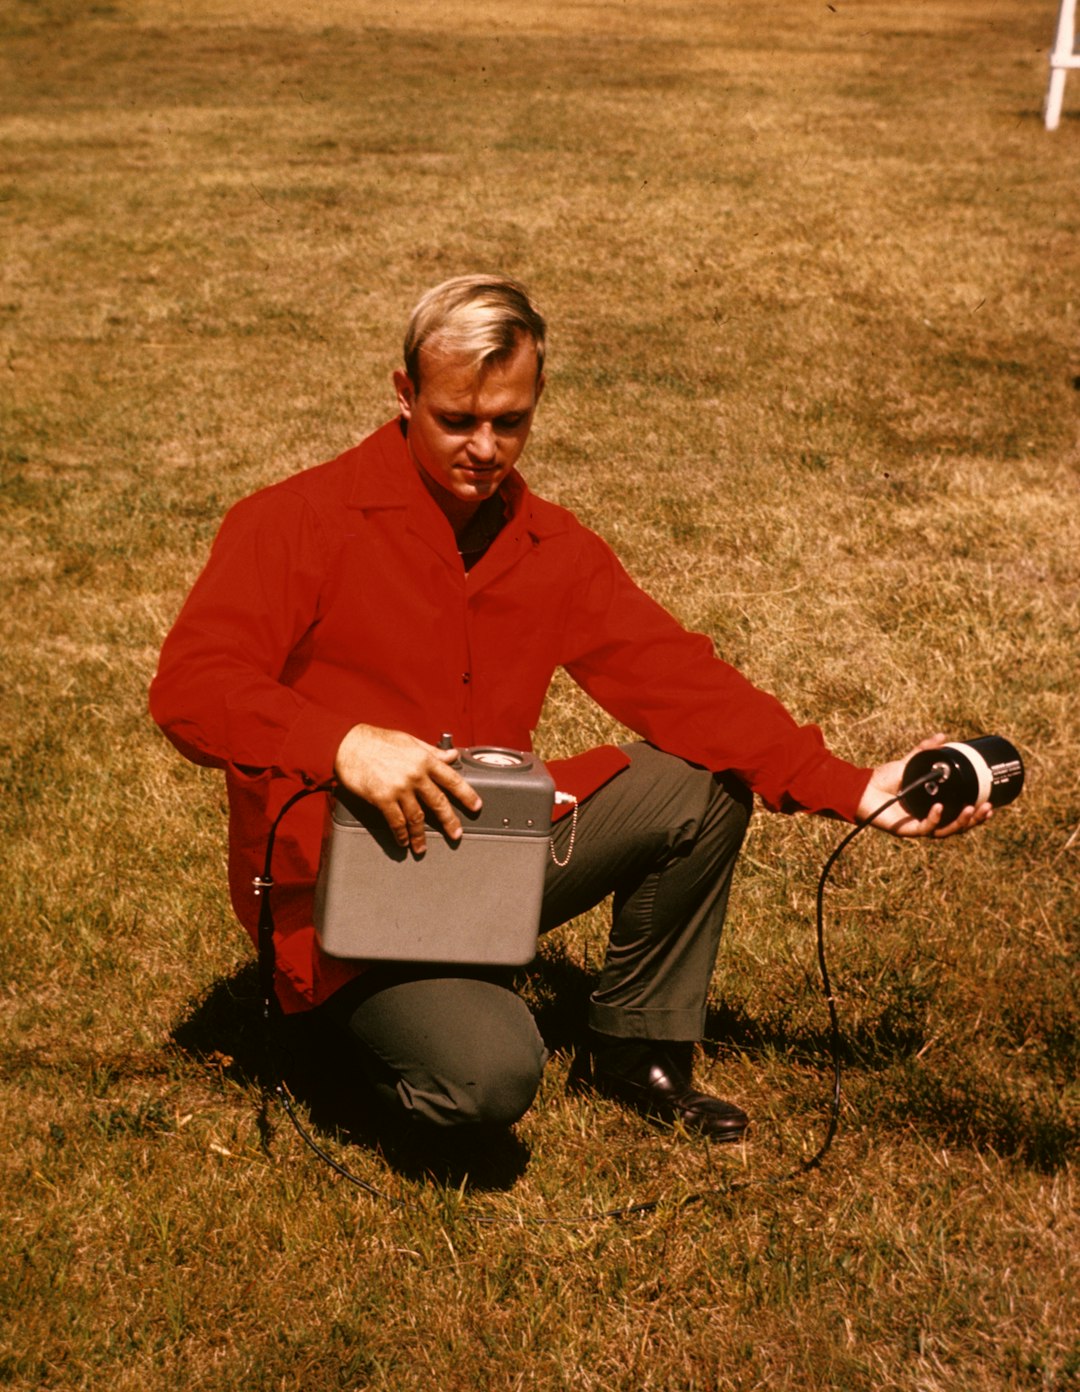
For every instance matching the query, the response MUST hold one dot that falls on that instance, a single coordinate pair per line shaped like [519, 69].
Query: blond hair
[481, 317]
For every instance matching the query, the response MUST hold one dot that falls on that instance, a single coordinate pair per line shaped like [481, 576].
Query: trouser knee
[496, 1096]
[447, 1048]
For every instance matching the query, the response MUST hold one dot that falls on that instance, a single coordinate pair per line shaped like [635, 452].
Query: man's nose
[482, 443]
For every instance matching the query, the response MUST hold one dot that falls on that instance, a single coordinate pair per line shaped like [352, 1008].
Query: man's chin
[470, 487]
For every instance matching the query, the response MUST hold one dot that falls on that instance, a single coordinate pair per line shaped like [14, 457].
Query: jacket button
[466, 677]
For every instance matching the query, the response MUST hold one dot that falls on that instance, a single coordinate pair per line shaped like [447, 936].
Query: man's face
[467, 431]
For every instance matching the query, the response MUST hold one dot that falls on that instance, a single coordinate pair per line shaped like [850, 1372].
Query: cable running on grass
[264, 883]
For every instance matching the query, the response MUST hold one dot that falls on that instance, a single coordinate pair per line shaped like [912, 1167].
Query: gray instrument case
[474, 901]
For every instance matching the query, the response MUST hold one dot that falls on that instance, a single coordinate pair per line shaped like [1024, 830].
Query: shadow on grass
[557, 988]
[873, 1044]
[224, 1033]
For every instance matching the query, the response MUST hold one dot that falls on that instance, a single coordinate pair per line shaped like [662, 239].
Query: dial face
[496, 758]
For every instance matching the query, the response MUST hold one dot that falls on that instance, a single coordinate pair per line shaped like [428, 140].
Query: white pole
[1062, 59]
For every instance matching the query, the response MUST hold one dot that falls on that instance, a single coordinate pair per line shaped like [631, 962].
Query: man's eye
[508, 422]
[457, 422]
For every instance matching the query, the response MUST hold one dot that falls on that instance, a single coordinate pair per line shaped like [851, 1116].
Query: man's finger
[443, 809]
[452, 782]
[415, 828]
[968, 817]
[395, 820]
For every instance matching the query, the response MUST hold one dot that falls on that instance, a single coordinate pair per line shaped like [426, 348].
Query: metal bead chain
[570, 847]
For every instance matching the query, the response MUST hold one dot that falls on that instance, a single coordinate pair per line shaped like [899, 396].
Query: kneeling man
[349, 615]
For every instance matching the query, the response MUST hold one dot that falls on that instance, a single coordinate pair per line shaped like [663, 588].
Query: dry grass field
[813, 274]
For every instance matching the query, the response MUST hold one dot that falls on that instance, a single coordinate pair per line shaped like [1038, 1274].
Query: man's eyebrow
[447, 413]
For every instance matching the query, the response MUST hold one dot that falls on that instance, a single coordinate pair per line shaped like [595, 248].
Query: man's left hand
[886, 782]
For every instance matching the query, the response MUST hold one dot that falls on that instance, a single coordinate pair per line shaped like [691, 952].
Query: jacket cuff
[846, 784]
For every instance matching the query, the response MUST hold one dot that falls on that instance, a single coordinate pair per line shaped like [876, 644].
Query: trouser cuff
[676, 1026]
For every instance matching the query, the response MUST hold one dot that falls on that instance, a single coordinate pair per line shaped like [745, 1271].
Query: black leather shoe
[654, 1079]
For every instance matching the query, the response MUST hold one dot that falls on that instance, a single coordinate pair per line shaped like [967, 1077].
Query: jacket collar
[384, 476]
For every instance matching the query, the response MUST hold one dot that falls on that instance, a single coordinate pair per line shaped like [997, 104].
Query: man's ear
[541, 383]
[405, 392]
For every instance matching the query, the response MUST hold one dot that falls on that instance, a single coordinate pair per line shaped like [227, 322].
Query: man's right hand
[401, 775]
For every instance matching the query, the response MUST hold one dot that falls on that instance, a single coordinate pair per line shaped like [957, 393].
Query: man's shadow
[225, 1034]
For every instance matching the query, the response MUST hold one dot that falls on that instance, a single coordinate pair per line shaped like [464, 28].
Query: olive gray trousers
[456, 1046]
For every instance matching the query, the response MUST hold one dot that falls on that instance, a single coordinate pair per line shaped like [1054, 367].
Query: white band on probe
[979, 767]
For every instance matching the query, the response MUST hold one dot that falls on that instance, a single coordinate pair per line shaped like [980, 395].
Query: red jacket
[338, 596]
